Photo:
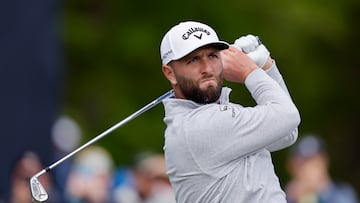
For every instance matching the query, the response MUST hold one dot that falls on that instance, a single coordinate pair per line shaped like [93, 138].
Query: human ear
[169, 74]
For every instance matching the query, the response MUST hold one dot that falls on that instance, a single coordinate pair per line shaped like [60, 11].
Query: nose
[206, 66]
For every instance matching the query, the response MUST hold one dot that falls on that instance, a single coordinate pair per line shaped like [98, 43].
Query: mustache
[207, 75]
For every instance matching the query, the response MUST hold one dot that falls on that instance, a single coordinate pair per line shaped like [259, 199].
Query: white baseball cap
[185, 37]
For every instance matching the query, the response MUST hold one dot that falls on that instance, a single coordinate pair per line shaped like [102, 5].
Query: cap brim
[221, 45]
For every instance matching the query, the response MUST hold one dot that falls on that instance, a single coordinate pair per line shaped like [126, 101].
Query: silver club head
[38, 192]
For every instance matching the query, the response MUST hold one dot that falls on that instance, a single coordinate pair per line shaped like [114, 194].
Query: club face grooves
[37, 190]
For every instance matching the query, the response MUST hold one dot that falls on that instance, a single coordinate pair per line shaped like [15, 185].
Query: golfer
[216, 150]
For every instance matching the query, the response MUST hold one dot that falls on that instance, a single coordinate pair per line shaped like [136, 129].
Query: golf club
[39, 193]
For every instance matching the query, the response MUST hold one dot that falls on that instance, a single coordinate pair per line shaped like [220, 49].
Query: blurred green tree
[113, 66]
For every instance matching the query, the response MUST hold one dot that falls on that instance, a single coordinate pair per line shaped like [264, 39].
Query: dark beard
[192, 92]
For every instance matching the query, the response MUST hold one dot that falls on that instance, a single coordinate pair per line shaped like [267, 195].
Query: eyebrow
[196, 52]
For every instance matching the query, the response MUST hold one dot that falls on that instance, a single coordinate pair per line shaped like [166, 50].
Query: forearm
[284, 142]
[261, 56]
[275, 74]
[238, 131]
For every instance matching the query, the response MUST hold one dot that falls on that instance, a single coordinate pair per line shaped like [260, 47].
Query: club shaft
[114, 127]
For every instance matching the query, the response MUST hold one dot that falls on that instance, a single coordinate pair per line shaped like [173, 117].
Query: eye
[192, 59]
[214, 55]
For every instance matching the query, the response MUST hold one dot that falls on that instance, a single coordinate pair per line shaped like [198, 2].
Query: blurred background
[95, 62]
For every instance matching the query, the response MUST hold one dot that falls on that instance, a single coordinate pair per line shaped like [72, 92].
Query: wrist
[267, 64]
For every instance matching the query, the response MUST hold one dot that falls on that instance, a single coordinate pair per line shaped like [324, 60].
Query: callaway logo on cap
[185, 37]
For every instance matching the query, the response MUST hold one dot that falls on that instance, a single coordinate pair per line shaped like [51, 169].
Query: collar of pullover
[175, 106]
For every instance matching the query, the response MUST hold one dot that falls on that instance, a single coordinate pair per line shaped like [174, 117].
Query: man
[215, 150]
[311, 181]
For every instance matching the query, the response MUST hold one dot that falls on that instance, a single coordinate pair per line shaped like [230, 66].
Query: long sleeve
[222, 147]
[235, 132]
[284, 142]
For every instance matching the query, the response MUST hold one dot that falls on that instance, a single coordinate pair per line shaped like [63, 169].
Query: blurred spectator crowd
[92, 179]
[308, 165]
[91, 176]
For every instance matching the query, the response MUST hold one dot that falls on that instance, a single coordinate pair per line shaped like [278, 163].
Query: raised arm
[252, 46]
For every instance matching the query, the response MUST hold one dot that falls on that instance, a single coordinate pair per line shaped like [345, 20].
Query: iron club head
[38, 192]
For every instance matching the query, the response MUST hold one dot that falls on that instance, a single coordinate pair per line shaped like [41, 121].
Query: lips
[208, 80]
